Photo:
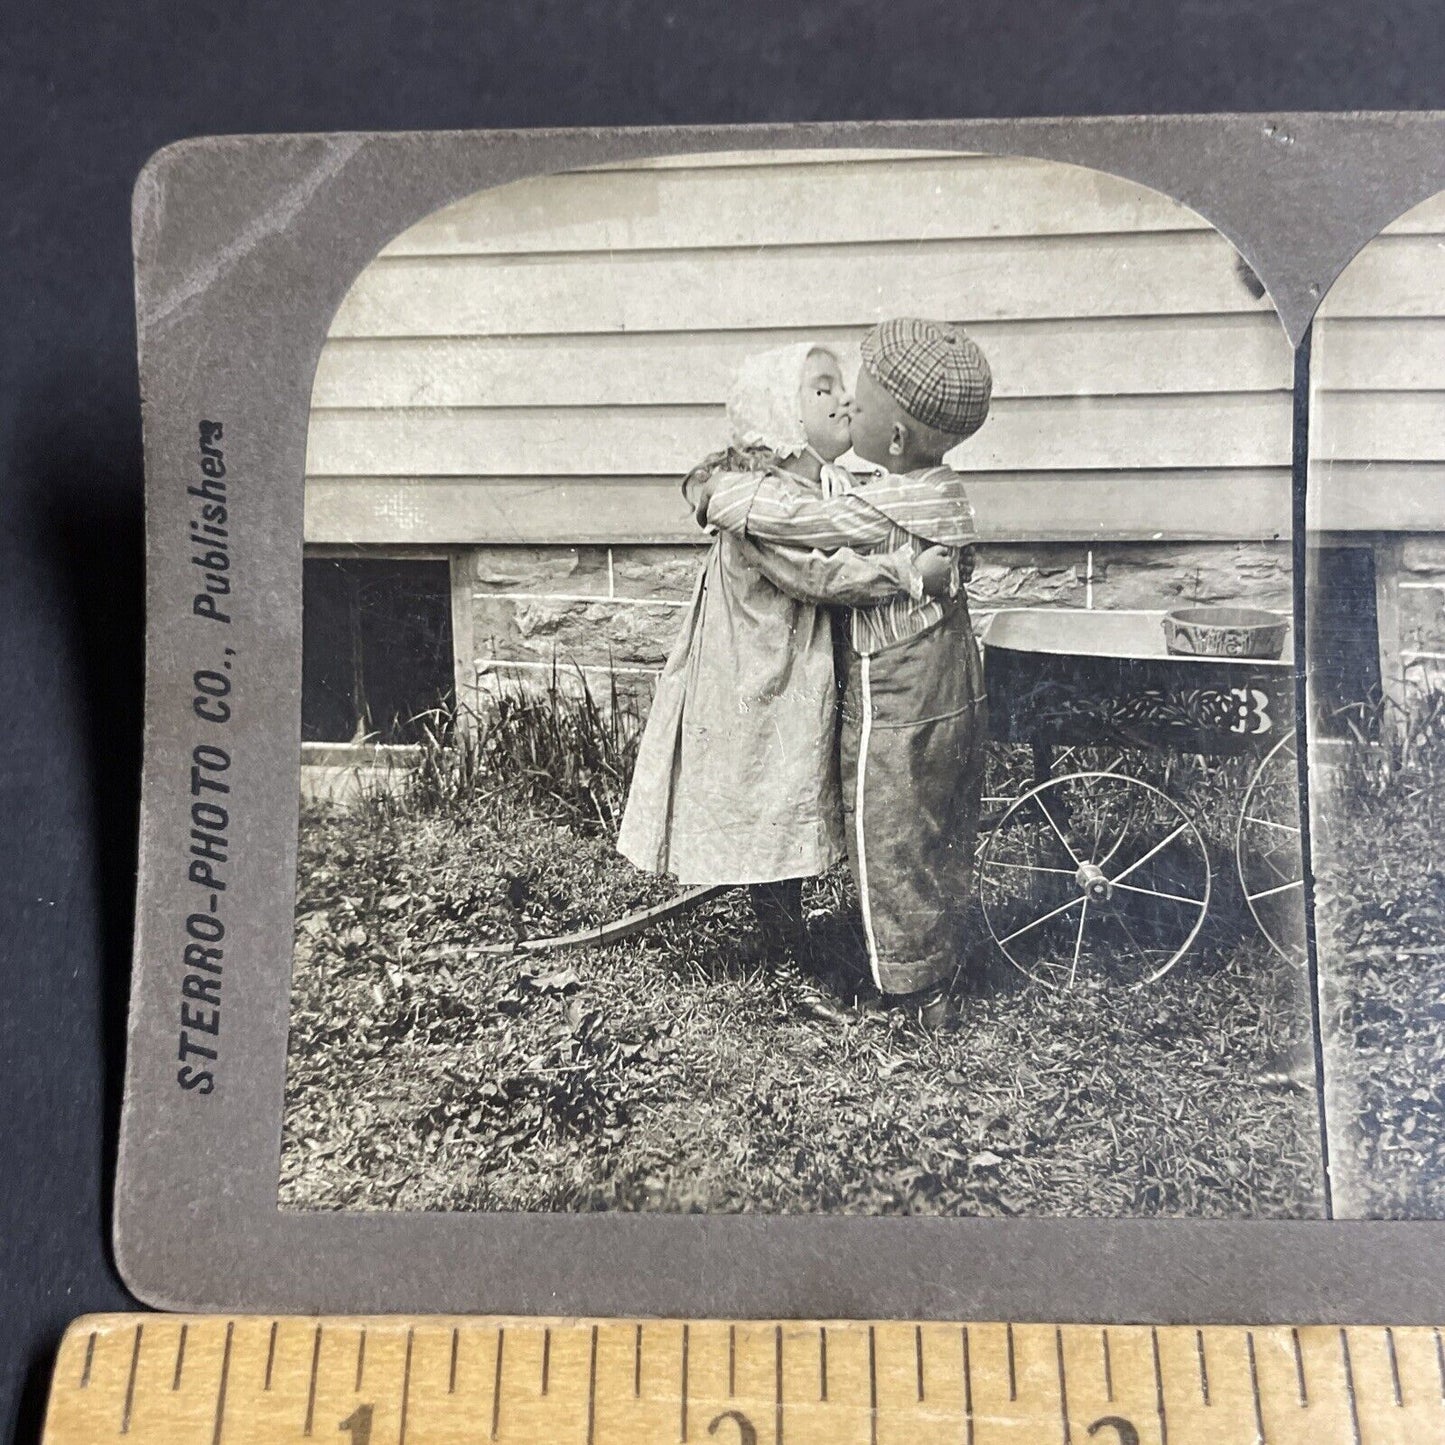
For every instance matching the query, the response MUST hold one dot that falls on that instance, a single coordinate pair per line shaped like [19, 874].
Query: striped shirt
[883, 514]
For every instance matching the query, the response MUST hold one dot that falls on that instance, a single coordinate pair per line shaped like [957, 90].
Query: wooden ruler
[213, 1380]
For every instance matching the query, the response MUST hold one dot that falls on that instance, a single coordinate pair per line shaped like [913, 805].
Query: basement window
[1345, 636]
[376, 643]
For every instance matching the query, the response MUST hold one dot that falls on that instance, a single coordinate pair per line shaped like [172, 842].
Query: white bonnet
[765, 400]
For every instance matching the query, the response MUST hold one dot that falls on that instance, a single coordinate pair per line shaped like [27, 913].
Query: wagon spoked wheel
[1267, 850]
[1094, 875]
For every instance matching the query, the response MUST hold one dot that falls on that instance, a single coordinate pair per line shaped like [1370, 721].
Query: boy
[914, 717]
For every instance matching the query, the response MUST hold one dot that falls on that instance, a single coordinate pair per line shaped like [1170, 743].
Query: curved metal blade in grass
[600, 935]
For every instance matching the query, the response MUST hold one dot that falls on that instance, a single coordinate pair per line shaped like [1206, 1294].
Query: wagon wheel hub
[1094, 883]
[1057, 899]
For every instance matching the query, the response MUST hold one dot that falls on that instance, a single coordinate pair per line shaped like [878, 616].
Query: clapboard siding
[1114, 433]
[1056, 277]
[1356, 496]
[1394, 353]
[1145, 506]
[541, 361]
[1377, 428]
[1127, 355]
[1388, 426]
[1395, 271]
[794, 203]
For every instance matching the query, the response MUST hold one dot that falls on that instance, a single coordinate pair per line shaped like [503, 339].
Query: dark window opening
[376, 649]
[1345, 644]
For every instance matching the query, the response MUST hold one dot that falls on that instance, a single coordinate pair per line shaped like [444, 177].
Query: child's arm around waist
[768, 510]
[840, 578]
[931, 508]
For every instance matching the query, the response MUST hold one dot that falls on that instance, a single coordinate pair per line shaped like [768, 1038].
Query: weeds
[569, 755]
[1392, 750]
[561, 750]
[1379, 799]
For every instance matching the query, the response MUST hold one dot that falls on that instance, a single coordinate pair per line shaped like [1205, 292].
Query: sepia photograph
[798, 703]
[1376, 666]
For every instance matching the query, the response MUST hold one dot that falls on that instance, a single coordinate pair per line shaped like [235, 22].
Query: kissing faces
[827, 405]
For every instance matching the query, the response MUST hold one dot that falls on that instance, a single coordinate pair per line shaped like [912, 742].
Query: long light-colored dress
[737, 773]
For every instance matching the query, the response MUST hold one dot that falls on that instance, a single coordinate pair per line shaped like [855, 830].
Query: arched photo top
[1377, 378]
[540, 362]
[1375, 605]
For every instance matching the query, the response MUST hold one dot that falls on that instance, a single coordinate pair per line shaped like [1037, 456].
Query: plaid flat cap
[933, 371]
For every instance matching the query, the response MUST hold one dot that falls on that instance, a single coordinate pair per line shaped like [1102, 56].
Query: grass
[687, 1070]
[1380, 916]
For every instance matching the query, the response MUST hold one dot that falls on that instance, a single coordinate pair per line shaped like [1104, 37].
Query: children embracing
[770, 753]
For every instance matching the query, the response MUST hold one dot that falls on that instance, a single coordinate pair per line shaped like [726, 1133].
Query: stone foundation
[610, 615]
[1422, 615]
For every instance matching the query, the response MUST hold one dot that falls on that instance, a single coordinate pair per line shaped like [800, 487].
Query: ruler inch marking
[90, 1360]
[592, 1384]
[1013, 1379]
[733, 1361]
[1299, 1371]
[778, 1385]
[405, 1388]
[1350, 1386]
[682, 1422]
[967, 1392]
[125, 1413]
[497, 1382]
[1108, 1365]
[220, 1422]
[637, 1364]
[271, 1352]
[1440, 1363]
[311, 1388]
[452, 1368]
[1063, 1385]
[546, 1357]
[180, 1358]
[1159, 1407]
[1394, 1367]
[872, 1386]
[1254, 1388]
[1203, 1368]
[823, 1362]
[918, 1357]
[360, 1359]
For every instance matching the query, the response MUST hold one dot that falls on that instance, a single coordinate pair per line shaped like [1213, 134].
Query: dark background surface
[89, 91]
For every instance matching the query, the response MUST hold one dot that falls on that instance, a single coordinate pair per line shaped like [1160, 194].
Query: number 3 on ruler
[358, 1425]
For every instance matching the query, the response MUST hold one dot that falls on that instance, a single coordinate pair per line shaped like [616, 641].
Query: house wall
[1377, 436]
[523, 377]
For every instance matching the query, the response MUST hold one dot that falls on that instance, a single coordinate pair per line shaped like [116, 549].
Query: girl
[737, 773]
